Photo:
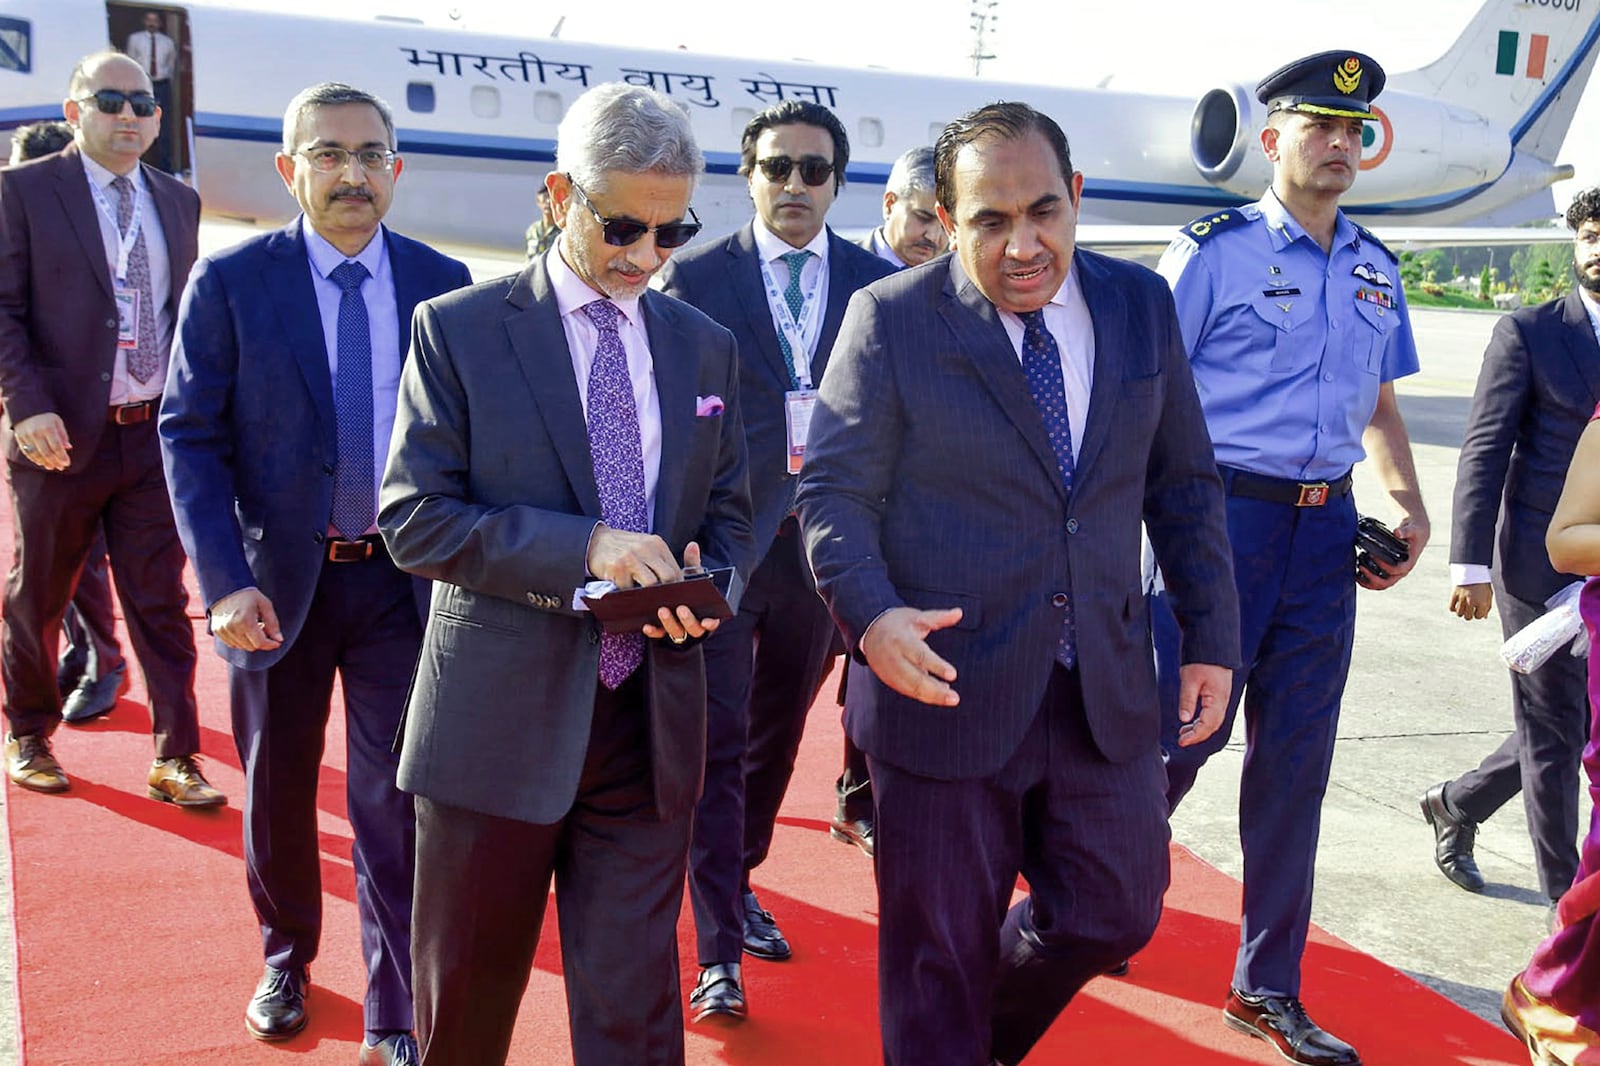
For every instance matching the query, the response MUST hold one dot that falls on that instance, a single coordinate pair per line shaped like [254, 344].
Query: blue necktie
[796, 262]
[1041, 361]
[354, 495]
[617, 453]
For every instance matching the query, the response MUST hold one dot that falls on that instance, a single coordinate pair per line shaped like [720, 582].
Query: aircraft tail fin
[1522, 64]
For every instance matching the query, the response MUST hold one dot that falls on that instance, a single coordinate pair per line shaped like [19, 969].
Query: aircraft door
[157, 36]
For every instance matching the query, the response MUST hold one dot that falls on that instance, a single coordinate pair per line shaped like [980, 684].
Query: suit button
[105, 377]
[594, 636]
[319, 537]
[533, 598]
[327, 468]
[1058, 600]
[1072, 525]
[111, 323]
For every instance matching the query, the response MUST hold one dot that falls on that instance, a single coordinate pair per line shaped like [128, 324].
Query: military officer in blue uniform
[1296, 327]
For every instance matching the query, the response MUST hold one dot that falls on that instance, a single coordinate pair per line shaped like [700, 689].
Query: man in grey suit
[780, 284]
[995, 426]
[1538, 385]
[911, 233]
[554, 428]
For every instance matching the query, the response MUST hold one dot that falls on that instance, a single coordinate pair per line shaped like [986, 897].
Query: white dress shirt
[885, 250]
[813, 279]
[572, 295]
[124, 389]
[142, 44]
[383, 329]
[1066, 316]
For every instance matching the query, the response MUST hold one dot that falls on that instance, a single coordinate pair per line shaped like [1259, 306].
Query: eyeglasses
[110, 101]
[622, 232]
[330, 160]
[813, 170]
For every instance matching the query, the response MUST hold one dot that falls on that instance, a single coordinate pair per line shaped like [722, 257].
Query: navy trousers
[1295, 568]
[964, 977]
[764, 668]
[1550, 712]
[363, 626]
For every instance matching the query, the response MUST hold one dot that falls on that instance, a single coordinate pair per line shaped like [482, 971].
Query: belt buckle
[349, 551]
[130, 414]
[1312, 494]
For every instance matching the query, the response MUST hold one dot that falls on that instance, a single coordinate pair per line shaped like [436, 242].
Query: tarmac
[1427, 698]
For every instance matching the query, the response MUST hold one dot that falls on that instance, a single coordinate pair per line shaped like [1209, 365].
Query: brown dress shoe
[30, 765]
[177, 780]
[1282, 1022]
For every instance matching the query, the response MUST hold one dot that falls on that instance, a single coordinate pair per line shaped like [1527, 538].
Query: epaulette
[1207, 226]
[1366, 235]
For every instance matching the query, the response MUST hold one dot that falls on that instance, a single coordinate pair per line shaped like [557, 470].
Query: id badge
[797, 407]
[127, 318]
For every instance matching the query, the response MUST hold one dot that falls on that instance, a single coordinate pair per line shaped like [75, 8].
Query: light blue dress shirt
[1288, 344]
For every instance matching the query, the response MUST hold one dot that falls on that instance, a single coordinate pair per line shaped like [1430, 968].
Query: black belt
[131, 414]
[1281, 490]
[339, 550]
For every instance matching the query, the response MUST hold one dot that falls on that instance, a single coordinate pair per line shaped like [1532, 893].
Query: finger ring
[681, 640]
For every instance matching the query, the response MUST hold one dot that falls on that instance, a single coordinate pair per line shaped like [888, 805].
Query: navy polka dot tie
[355, 498]
[617, 453]
[1041, 361]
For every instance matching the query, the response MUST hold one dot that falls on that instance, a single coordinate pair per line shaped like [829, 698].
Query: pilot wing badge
[1370, 273]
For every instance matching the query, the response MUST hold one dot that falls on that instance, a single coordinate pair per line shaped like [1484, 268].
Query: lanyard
[802, 333]
[125, 241]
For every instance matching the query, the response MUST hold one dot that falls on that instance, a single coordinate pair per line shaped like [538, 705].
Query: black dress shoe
[70, 667]
[718, 994]
[278, 1009]
[1453, 838]
[1282, 1022]
[95, 696]
[1119, 970]
[857, 831]
[762, 937]
[396, 1049]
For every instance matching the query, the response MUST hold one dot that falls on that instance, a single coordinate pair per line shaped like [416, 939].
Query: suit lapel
[982, 337]
[842, 284]
[675, 384]
[77, 204]
[540, 343]
[1581, 343]
[410, 286]
[178, 238]
[1109, 315]
[744, 277]
[287, 285]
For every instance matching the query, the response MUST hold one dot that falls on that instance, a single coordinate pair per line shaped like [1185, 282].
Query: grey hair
[329, 94]
[78, 82]
[630, 128]
[912, 172]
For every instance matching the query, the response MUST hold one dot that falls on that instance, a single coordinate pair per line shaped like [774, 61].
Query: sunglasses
[813, 171]
[110, 101]
[622, 232]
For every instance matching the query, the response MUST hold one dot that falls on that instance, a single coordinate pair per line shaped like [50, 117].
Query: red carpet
[137, 943]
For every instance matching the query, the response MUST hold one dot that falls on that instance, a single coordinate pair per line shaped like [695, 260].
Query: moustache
[351, 193]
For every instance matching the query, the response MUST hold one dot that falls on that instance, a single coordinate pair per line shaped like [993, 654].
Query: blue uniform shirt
[1288, 345]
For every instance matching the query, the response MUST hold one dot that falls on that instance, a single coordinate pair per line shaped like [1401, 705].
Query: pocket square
[707, 406]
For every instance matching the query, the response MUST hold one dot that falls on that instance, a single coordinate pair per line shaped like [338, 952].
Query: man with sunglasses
[97, 250]
[561, 427]
[275, 428]
[780, 284]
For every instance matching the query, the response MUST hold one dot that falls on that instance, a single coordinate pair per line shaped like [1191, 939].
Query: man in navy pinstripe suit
[993, 428]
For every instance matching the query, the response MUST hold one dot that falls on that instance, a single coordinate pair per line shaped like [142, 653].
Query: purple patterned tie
[143, 360]
[618, 459]
[1041, 361]
[355, 494]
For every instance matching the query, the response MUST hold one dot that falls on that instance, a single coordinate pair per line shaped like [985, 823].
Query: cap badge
[1347, 76]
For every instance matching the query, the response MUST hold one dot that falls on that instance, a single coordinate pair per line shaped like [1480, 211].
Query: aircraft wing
[1138, 240]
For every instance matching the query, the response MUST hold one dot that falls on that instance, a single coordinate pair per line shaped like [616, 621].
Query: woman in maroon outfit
[1554, 1005]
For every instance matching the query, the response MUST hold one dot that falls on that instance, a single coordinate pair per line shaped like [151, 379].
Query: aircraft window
[547, 107]
[419, 96]
[16, 45]
[870, 133]
[485, 101]
[741, 118]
